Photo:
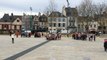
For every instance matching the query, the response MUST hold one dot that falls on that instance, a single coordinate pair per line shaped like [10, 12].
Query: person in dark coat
[94, 36]
[105, 44]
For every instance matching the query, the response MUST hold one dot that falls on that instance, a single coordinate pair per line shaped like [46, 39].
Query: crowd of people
[53, 36]
[84, 36]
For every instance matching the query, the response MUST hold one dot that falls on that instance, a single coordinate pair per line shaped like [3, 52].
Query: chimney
[11, 14]
[39, 14]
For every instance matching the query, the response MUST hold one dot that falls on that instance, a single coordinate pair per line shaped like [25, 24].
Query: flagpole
[31, 19]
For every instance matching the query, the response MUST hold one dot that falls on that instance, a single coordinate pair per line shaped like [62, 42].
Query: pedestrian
[17, 34]
[94, 36]
[105, 44]
[10, 33]
[12, 36]
[90, 37]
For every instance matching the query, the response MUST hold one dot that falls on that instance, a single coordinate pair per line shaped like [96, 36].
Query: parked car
[26, 33]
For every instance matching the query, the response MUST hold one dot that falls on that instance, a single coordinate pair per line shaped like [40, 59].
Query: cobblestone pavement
[65, 49]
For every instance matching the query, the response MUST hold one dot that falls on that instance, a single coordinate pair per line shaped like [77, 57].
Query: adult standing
[12, 36]
[105, 44]
[94, 36]
[17, 34]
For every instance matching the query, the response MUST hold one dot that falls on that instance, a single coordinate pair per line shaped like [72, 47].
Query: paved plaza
[41, 49]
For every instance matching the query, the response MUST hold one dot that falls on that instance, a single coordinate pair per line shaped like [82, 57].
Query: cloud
[21, 6]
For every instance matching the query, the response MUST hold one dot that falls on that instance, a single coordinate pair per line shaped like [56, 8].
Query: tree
[86, 8]
[99, 10]
[51, 7]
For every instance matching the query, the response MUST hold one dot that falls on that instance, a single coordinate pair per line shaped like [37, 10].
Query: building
[28, 23]
[36, 22]
[10, 23]
[102, 21]
[71, 14]
[57, 22]
[43, 23]
[93, 26]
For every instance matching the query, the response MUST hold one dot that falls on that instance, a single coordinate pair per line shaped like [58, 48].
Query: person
[17, 34]
[90, 37]
[42, 34]
[10, 33]
[94, 36]
[12, 36]
[105, 44]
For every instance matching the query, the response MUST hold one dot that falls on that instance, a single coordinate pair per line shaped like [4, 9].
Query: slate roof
[56, 14]
[71, 11]
[7, 18]
[43, 17]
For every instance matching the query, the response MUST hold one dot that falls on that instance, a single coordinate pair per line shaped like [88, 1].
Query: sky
[18, 7]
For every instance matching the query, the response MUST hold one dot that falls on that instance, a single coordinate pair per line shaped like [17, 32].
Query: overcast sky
[18, 7]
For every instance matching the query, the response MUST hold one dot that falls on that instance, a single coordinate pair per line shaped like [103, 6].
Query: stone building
[71, 14]
[57, 22]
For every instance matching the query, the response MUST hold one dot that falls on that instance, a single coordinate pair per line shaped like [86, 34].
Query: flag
[67, 2]
[31, 8]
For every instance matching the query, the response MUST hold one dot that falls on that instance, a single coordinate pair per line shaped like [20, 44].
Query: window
[95, 26]
[15, 27]
[17, 20]
[54, 29]
[90, 25]
[78, 26]
[63, 24]
[63, 20]
[54, 19]
[50, 24]
[54, 24]
[59, 24]
[49, 19]
[59, 20]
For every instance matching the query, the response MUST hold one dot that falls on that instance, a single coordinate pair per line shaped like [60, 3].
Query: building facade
[28, 23]
[57, 22]
[71, 14]
[43, 23]
[10, 23]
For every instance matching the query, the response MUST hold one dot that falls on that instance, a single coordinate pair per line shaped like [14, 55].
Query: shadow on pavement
[25, 51]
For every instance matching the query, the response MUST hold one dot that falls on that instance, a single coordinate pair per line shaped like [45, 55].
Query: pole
[31, 19]
[51, 24]
[67, 26]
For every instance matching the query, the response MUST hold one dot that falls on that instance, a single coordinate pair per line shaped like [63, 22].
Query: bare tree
[99, 10]
[51, 7]
[86, 8]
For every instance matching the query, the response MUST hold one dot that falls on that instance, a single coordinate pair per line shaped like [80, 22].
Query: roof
[7, 18]
[56, 14]
[71, 11]
[43, 18]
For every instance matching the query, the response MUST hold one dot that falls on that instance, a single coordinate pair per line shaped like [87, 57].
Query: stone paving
[40, 49]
